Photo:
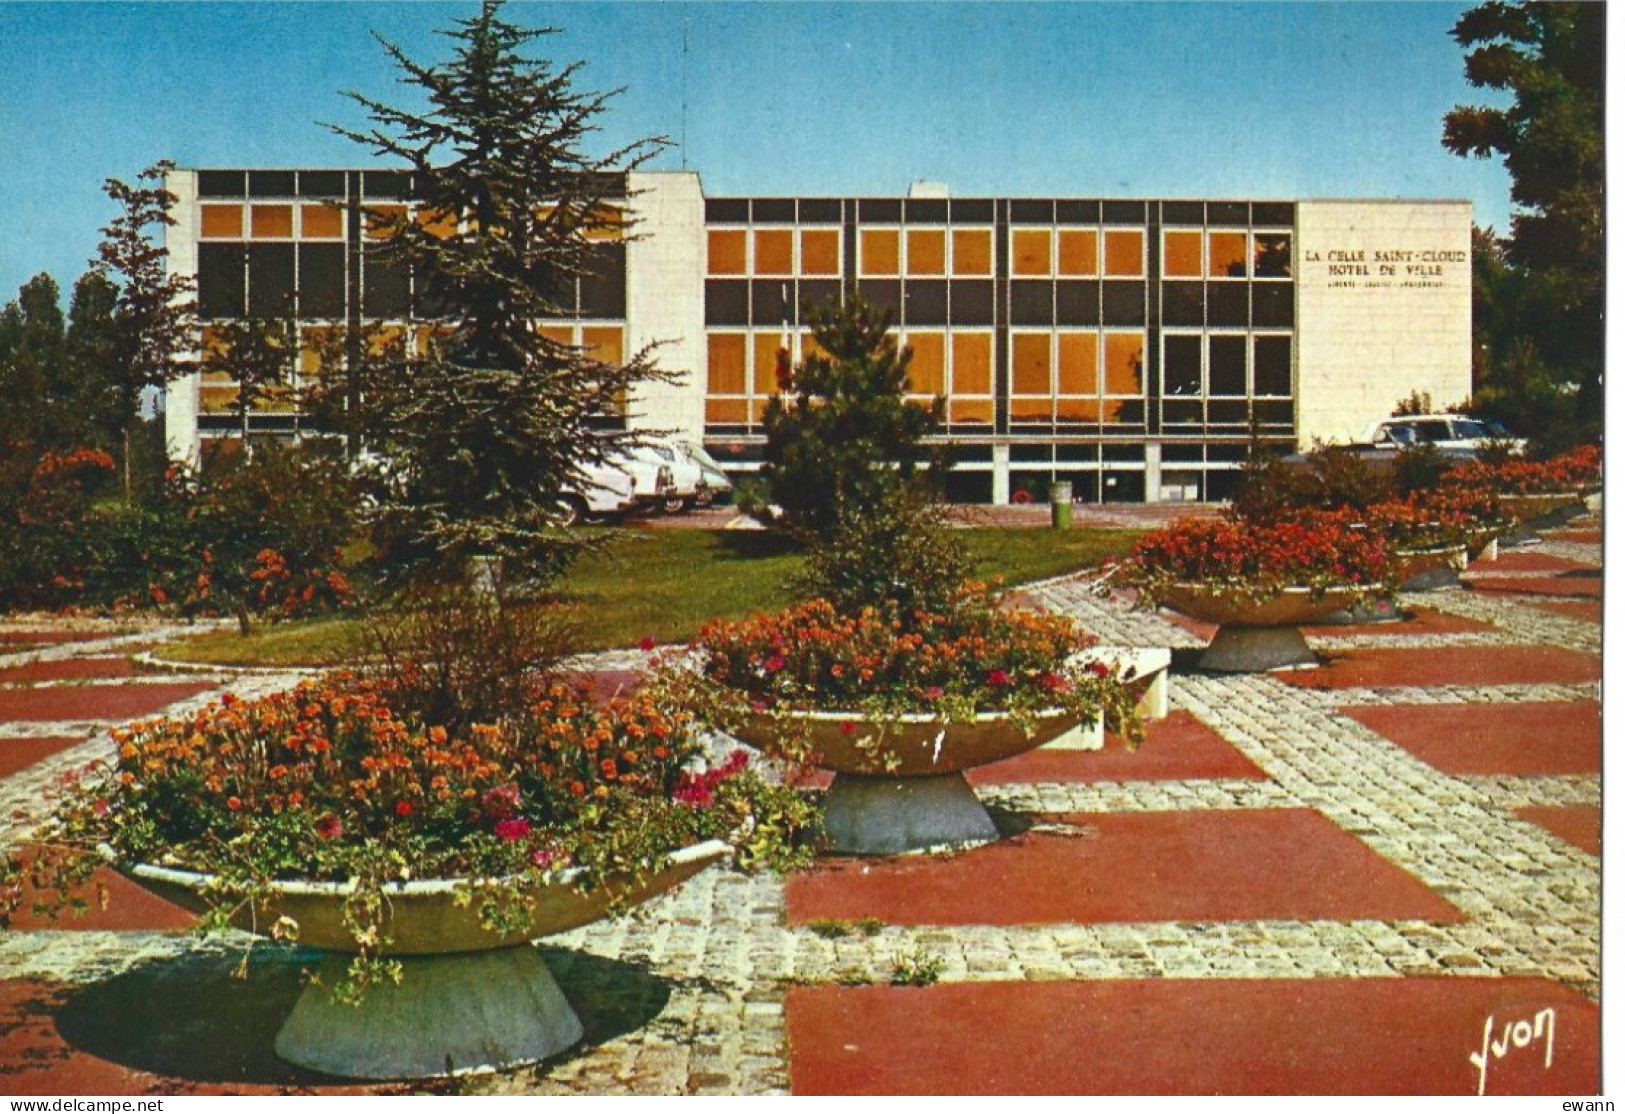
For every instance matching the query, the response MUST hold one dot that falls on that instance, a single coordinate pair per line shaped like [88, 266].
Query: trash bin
[1060, 504]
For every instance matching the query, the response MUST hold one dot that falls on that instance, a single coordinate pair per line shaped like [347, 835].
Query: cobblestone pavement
[695, 982]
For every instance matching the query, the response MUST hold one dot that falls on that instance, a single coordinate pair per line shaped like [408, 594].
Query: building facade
[1133, 347]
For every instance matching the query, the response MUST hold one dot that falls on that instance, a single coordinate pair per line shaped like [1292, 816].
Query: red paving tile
[69, 669]
[1178, 748]
[1588, 610]
[127, 908]
[1202, 865]
[19, 754]
[1520, 561]
[1409, 1036]
[1580, 825]
[1524, 740]
[1583, 536]
[1448, 665]
[1583, 587]
[94, 702]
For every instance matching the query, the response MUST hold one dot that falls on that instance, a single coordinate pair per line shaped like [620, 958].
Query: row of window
[968, 253]
[283, 220]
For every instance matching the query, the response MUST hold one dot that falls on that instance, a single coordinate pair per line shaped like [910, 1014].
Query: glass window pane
[1077, 356]
[1030, 251]
[1078, 249]
[725, 364]
[378, 216]
[765, 378]
[1125, 252]
[726, 411]
[773, 251]
[1181, 366]
[1125, 363]
[1272, 255]
[879, 254]
[1029, 364]
[926, 369]
[1182, 254]
[1085, 409]
[1227, 366]
[1227, 255]
[1039, 408]
[820, 252]
[439, 223]
[927, 251]
[271, 222]
[725, 251]
[973, 251]
[973, 410]
[321, 222]
[1272, 366]
[603, 343]
[973, 364]
[222, 222]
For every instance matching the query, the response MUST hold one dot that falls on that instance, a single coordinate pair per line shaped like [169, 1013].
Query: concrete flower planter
[1143, 667]
[1256, 635]
[924, 800]
[1542, 510]
[470, 1000]
[1424, 570]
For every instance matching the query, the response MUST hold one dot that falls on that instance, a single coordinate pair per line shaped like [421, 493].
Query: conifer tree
[480, 432]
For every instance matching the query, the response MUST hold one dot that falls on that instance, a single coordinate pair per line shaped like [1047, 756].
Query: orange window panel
[605, 224]
[820, 251]
[1031, 408]
[1077, 409]
[725, 251]
[1078, 251]
[1125, 252]
[321, 222]
[222, 222]
[1029, 364]
[271, 222]
[758, 407]
[810, 347]
[725, 365]
[927, 251]
[217, 400]
[558, 334]
[973, 363]
[1075, 366]
[1182, 254]
[438, 223]
[1124, 366]
[927, 369]
[380, 217]
[879, 251]
[1227, 254]
[425, 337]
[973, 251]
[775, 251]
[1029, 252]
[975, 410]
[726, 411]
[765, 348]
[604, 344]
[319, 343]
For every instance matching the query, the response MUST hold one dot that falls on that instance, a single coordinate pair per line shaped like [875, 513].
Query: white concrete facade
[665, 306]
[181, 435]
[1384, 308]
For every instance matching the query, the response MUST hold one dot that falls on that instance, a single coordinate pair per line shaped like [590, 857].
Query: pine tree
[479, 433]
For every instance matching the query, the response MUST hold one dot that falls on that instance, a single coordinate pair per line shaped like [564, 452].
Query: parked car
[604, 492]
[1451, 434]
[686, 477]
[715, 486]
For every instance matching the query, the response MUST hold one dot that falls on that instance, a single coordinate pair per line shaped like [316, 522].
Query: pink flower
[934, 692]
[774, 663]
[501, 802]
[514, 830]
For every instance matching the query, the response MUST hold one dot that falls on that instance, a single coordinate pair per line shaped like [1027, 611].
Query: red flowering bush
[1318, 550]
[979, 656]
[1426, 520]
[332, 781]
[1577, 470]
[51, 540]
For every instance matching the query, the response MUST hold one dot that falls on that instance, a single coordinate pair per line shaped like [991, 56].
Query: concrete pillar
[1153, 471]
[181, 396]
[1001, 475]
[665, 297]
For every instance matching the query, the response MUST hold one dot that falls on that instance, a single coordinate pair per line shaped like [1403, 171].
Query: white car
[714, 482]
[686, 476]
[1451, 434]
[625, 482]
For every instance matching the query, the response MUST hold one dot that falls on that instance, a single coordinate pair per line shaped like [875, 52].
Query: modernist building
[1130, 346]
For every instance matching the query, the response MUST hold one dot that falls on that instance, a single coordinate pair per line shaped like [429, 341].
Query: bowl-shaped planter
[1257, 633]
[900, 784]
[469, 1000]
[1544, 509]
[1423, 570]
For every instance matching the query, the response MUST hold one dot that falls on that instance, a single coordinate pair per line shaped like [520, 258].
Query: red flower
[403, 808]
[646, 644]
[848, 727]
[998, 677]
[512, 831]
[329, 827]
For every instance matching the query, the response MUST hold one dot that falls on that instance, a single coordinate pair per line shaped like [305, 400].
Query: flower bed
[1576, 471]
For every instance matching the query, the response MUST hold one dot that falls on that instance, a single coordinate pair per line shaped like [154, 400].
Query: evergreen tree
[32, 355]
[87, 396]
[481, 431]
[841, 435]
[1549, 57]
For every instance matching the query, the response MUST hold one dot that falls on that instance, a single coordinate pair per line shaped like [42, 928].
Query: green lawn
[663, 584]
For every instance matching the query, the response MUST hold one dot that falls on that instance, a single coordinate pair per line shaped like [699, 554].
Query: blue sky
[1071, 99]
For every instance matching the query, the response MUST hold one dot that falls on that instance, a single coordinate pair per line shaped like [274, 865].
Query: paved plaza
[1378, 876]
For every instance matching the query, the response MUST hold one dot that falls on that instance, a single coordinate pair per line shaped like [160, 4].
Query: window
[1181, 366]
[774, 252]
[222, 222]
[321, 222]
[820, 251]
[1272, 255]
[271, 222]
[970, 396]
[1124, 364]
[927, 367]
[1227, 255]
[725, 251]
[1077, 383]
[1030, 364]
[380, 217]
[1030, 252]
[1181, 254]
[927, 251]
[879, 251]
[1227, 366]
[973, 252]
[1125, 252]
[1077, 251]
[1272, 366]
